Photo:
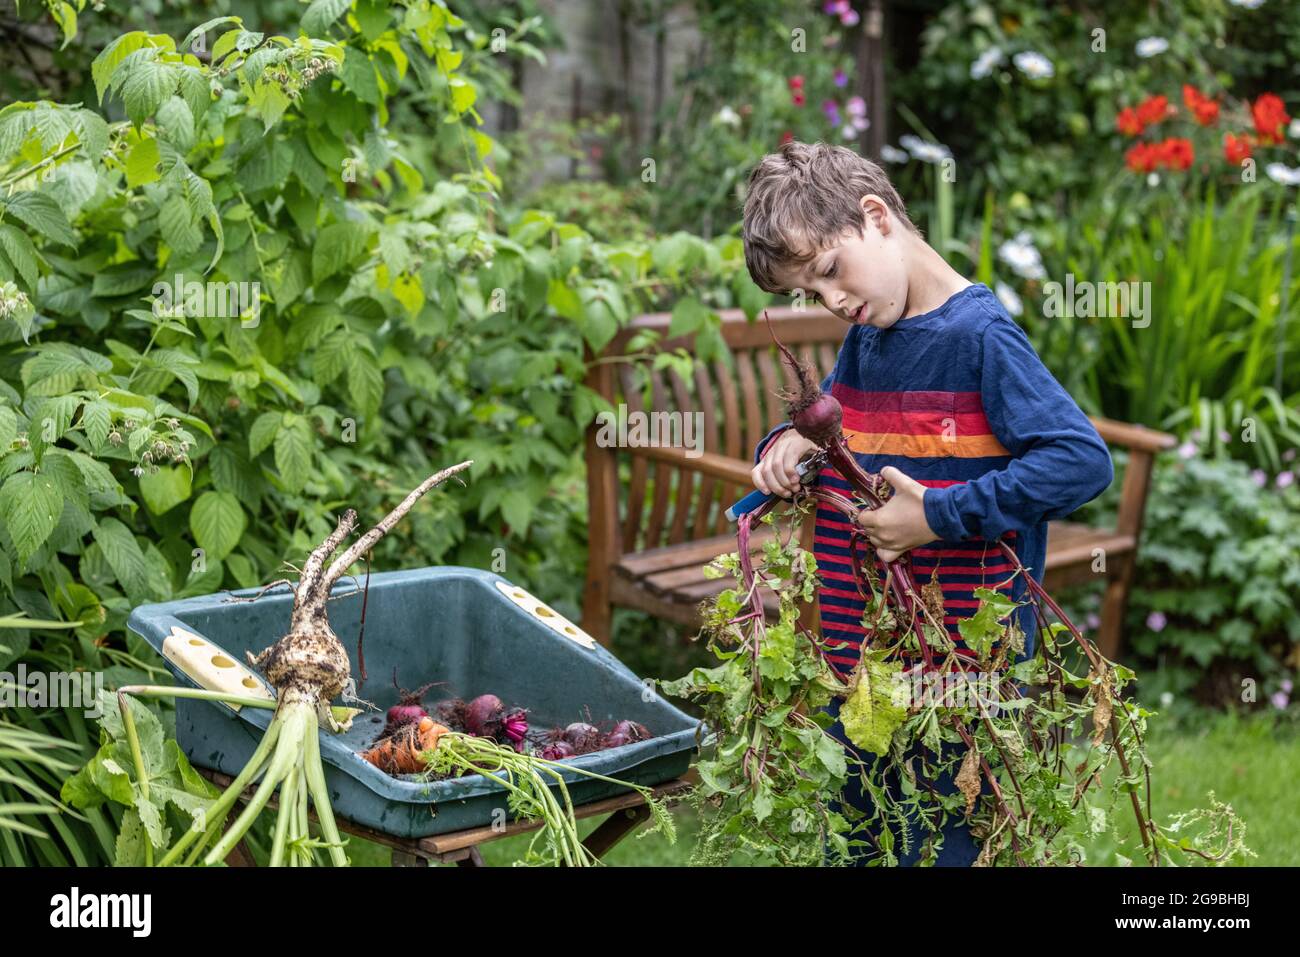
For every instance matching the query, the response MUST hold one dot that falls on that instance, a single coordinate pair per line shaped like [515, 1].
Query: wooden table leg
[614, 828]
[472, 859]
[403, 858]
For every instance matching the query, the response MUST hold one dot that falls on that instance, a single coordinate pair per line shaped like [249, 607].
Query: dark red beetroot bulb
[483, 716]
[583, 737]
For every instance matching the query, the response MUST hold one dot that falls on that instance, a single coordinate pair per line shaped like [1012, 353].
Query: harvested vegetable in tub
[433, 750]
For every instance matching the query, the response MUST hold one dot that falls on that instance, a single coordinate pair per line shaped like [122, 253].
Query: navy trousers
[959, 848]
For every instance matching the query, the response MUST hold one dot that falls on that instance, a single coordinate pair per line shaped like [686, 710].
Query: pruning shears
[808, 471]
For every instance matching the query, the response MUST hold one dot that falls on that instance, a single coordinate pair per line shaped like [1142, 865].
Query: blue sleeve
[762, 443]
[1060, 462]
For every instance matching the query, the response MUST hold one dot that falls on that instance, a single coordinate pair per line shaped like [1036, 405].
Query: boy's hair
[801, 199]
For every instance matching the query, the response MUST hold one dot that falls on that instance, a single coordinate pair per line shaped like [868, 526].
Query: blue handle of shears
[756, 498]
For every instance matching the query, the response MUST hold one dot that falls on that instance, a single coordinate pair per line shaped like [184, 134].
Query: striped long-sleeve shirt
[958, 400]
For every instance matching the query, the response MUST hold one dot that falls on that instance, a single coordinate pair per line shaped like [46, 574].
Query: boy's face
[860, 278]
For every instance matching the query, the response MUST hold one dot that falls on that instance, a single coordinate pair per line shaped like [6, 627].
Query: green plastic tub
[472, 630]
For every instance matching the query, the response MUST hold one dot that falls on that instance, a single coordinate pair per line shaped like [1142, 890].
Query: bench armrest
[1137, 437]
[709, 463]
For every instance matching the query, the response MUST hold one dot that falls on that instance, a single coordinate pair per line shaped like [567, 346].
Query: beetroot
[515, 725]
[582, 737]
[484, 716]
[625, 732]
[556, 751]
[408, 709]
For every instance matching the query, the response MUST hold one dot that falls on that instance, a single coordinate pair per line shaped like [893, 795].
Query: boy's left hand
[900, 523]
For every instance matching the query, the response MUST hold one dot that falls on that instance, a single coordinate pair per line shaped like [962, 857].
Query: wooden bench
[649, 545]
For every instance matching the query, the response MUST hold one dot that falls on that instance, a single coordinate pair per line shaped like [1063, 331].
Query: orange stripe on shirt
[925, 446]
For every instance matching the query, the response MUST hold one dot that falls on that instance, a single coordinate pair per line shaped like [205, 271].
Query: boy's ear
[876, 213]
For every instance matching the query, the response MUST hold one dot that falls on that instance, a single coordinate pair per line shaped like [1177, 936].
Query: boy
[943, 396]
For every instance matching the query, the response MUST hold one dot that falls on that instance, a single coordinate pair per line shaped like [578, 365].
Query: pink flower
[1187, 449]
[1224, 435]
[1280, 700]
[1259, 477]
[1156, 621]
[1092, 621]
[850, 18]
[1288, 455]
[841, 77]
[1286, 685]
[1284, 479]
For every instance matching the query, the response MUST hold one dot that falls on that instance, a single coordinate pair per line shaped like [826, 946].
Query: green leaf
[104, 65]
[218, 522]
[30, 504]
[123, 554]
[517, 509]
[321, 14]
[358, 75]
[294, 449]
[331, 357]
[564, 300]
[129, 848]
[365, 382]
[142, 163]
[263, 432]
[337, 246]
[689, 316]
[146, 86]
[8, 428]
[21, 253]
[41, 214]
[166, 488]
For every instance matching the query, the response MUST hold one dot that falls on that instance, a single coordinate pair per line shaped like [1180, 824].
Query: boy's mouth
[857, 313]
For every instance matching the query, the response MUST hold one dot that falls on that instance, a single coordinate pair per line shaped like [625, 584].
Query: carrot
[400, 752]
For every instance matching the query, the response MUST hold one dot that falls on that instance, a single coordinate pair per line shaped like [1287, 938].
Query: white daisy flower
[1148, 47]
[1293, 131]
[727, 116]
[985, 63]
[1010, 301]
[892, 154]
[925, 151]
[1281, 173]
[1033, 65]
[1247, 4]
[1022, 256]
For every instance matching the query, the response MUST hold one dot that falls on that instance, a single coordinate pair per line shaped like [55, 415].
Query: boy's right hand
[775, 472]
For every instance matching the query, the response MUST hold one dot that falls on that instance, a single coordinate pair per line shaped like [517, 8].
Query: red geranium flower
[1176, 153]
[1269, 114]
[797, 97]
[1142, 157]
[1205, 109]
[1128, 122]
[796, 82]
[1154, 109]
[786, 137]
[1236, 148]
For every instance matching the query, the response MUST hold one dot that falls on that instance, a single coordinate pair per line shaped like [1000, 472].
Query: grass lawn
[1250, 762]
